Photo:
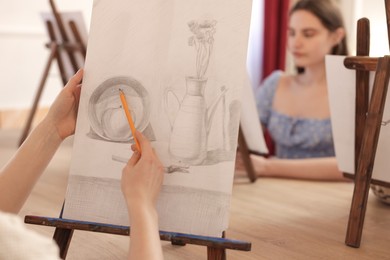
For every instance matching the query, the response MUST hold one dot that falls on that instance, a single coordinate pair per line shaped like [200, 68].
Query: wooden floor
[283, 219]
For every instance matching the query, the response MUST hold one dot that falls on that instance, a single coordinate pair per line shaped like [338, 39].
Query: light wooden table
[284, 219]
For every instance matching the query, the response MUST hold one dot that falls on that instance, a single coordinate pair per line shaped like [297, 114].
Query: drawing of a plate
[106, 114]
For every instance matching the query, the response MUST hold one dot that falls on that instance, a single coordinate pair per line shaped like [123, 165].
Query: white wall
[22, 52]
[374, 10]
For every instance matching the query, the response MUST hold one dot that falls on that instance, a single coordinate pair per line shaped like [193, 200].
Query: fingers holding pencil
[145, 146]
[143, 175]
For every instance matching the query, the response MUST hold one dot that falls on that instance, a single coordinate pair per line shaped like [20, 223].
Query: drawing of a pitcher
[192, 123]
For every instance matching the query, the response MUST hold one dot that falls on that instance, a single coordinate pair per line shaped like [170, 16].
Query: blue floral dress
[294, 137]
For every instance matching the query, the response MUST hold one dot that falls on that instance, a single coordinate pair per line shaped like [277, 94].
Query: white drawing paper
[66, 17]
[342, 98]
[250, 122]
[181, 66]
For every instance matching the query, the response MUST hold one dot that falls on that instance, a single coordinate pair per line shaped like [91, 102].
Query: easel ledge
[215, 246]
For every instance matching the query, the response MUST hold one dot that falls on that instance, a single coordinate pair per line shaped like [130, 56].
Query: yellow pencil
[129, 118]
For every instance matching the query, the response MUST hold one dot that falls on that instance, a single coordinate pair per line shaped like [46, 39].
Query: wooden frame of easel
[56, 46]
[368, 123]
[216, 247]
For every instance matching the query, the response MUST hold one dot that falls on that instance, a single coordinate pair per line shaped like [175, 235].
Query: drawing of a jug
[192, 123]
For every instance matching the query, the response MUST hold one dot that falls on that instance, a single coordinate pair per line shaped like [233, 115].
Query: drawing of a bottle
[192, 124]
[190, 127]
[188, 137]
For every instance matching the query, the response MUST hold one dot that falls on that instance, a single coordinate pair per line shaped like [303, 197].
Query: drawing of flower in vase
[191, 124]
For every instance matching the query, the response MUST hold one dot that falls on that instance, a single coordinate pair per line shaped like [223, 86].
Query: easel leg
[243, 149]
[62, 237]
[26, 130]
[367, 153]
[216, 253]
[357, 213]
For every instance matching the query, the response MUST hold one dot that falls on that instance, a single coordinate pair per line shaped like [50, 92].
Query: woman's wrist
[140, 209]
[50, 130]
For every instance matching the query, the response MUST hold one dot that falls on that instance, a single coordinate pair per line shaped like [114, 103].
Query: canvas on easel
[137, 52]
[68, 38]
[181, 66]
[360, 107]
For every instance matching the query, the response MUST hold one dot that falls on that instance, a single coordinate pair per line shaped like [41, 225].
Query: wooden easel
[368, 123]
[56, 46]
[216, 247]
[245, 155]
[64, 228]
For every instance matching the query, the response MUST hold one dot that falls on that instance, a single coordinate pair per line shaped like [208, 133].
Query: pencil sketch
[107, 117]
[192, 121]
[182, 71]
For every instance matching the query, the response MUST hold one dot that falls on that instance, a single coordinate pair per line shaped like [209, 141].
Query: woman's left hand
[63, 112]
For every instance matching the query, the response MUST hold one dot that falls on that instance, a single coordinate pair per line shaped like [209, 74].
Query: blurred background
[23, 54]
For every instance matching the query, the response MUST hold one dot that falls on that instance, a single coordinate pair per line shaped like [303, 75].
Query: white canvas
[181, 65]
[250, 122]
[342, 98]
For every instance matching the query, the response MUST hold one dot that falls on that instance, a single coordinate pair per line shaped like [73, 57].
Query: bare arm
[324, 169]
[142, 179]
[19, 176]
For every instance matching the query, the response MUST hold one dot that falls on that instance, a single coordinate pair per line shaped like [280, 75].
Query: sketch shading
[191, 123]
[167, 169]
[105, 193]
[105, 111]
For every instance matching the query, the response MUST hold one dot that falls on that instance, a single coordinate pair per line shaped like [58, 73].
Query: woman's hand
[258, 162]
[142, 177]
[63, 112]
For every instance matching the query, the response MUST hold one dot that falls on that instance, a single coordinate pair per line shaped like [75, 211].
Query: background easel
[368, 123]
[245, 155]
[56, 45]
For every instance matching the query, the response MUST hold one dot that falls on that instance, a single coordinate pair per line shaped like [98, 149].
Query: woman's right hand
[142, 177]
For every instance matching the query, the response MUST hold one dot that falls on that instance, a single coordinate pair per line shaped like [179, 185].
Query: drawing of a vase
[188, 137]
[191, 126]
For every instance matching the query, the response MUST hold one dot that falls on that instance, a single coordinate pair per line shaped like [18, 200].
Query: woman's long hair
[329, 15]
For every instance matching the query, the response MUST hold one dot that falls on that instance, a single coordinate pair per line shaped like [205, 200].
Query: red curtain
[275, 39]
[275, 35]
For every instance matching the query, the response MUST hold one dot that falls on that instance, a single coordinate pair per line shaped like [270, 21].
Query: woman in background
[294, 108]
